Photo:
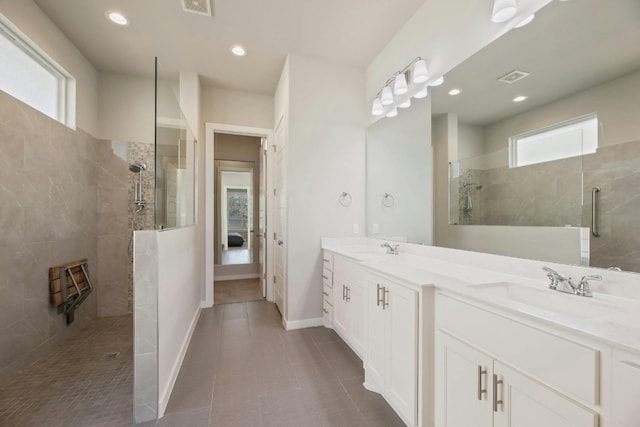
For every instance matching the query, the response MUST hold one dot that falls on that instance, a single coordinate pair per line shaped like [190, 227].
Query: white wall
[445, 33]
[30, 19]
[325, 156]
[237, 108]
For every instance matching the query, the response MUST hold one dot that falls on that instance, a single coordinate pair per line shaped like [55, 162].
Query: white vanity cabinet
[626, 389]
[493, 371]
[349, 317]
[391, 359]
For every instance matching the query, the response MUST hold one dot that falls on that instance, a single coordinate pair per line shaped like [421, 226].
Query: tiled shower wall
[48, 196]
[64, 195]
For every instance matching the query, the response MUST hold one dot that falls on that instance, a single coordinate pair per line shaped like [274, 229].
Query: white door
[401, 384]
[262, 217]
[358, 325]
[280, 285]
[527, 403]
[376, 340]
[463, 387]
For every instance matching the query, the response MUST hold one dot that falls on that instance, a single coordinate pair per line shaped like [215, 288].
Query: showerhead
[137, 167]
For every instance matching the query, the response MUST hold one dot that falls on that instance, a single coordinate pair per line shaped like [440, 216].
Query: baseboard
[175, 370]
[305, 323]
[236, 277]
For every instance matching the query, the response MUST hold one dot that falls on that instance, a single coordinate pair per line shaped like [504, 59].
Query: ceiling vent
[200, 7]
[513, 76]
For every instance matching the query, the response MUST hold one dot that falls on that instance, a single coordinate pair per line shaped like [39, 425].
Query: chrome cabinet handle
[280, 242]
[594, 211]
[325, 277]
[348, 294]
[385, 300]
[325, 311]
[481, 373]
[344, 292]
[325, 260]
[496, 402]
[379, 288]
[325, 293]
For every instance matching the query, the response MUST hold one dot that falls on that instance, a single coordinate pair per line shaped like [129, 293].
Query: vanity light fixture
[392, 113]
[437, 82]
[400, 84]
[405, 104]
[519, 98]
[525, 21]
[420, 72]
[117, 18]
[503, 10]
[386, 97]
[454, 92]
[422, 93]
[377, 109]
[238, 50]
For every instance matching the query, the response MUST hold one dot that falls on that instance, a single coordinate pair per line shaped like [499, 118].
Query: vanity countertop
[610, 319]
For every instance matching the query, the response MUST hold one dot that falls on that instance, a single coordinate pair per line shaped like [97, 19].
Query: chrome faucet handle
[556, 278]
[583, 288]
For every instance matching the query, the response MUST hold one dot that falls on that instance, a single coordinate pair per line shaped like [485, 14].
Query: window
[28, 75]
[561, 141]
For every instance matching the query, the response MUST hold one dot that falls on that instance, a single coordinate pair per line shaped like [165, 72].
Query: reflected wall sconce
[398, 90]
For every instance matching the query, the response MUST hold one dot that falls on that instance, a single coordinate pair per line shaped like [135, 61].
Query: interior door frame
[210, 129]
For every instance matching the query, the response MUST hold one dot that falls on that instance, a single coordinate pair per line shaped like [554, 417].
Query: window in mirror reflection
[560, 141]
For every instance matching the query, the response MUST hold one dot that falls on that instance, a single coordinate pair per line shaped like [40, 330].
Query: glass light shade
[420, 73]
[437, 82]
[377, 109]
[400, 84]
[392, 113]
[386, 97]
[405, 104]
[422, 93]
[503, 10]
[525, 21]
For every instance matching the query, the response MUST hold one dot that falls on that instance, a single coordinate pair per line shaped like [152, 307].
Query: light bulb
[503, 10]
[386, 97]
[420, 73]
[525, 21]
[405, 104]
[400, 84]
[392, 113]
[377, 108]
[437, 82]
[422, 93]
[117, 18]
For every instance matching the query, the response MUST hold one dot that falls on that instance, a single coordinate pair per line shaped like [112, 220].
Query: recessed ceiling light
[238, 50]
[519, 98]
[116, 17]
[454, 92]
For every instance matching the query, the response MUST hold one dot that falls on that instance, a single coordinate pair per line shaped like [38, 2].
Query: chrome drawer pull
[326, 294]
[348, 294]
[496, 402]
[325, 277]
[378, 299]
[385, 301]
[325, 311]
[481, 391]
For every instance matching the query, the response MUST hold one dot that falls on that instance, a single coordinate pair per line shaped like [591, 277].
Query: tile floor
[243, 369]
[232, 291]
[75, 385]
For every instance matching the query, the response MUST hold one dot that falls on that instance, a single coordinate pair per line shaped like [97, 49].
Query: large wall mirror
[546, 120]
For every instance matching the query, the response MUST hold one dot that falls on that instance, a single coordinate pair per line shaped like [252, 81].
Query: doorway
[236, 213]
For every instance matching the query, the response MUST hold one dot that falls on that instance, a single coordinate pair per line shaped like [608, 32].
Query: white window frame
[582, 122]
[66, 87]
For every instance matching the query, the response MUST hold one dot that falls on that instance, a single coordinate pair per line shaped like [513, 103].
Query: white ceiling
[344, 31]
[569, 47]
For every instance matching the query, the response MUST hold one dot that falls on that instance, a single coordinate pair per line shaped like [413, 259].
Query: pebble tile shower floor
[77, 384]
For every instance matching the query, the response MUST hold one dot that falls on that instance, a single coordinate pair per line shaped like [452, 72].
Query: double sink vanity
[458, 339]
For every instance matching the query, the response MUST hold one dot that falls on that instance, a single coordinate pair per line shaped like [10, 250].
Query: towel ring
[388, 200]
[345, 199]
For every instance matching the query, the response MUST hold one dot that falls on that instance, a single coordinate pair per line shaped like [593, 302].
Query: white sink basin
[549, 300]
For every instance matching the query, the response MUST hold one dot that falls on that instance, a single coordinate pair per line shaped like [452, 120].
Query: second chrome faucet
[559, 282]
[391, 249]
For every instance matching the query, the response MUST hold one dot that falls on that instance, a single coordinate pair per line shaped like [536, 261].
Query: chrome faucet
[391, 249]
[581, 289]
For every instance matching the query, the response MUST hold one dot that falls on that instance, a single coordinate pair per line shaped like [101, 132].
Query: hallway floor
[233, 291]
[243, 369]
[75, 384]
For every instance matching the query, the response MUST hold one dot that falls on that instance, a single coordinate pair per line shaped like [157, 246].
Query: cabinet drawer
[568, 366]
[327, 310]
[327, 293]
[327, 277]
[327, 261]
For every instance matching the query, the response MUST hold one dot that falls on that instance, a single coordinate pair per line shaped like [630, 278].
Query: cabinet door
[528, 403]
[401, 385]
[358, 321]
[376, 339]
[462, 385]
[626, 390]
[340, 309]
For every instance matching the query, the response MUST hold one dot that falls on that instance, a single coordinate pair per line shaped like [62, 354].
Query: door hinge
[274, 191]
[274, 279]
[274, 236]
